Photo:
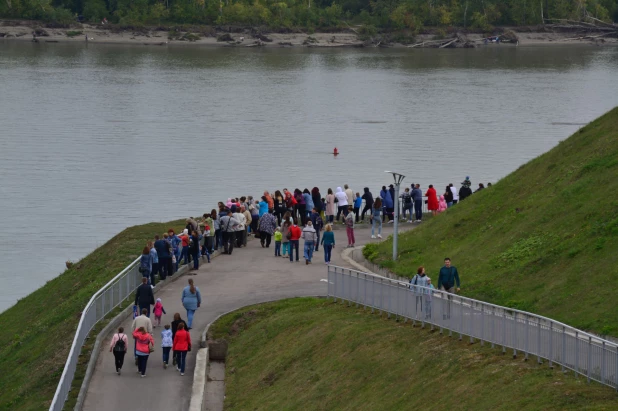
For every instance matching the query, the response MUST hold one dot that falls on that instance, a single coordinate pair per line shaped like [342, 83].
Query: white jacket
[341, 197]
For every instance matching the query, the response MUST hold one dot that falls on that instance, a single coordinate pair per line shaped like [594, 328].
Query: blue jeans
[142, 361]
[328, 248]
[377, 221]
[418, 209]
[309, 246]
[449, 204]
[409, 208]
[184, 253]
[294, 245]
[195, 255]
[181, 359]
[166, 354]
[277, 248]
[190, 317]
[285, 249]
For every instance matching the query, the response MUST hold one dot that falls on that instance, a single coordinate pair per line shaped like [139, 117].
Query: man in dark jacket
[446, 282]
[165, 258]
[465, 190]
[144, 297]
[368, 197]
[417, 197]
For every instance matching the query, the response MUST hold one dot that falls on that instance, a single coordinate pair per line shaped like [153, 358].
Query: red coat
[295, 232]
[182, 341]
[432, 199]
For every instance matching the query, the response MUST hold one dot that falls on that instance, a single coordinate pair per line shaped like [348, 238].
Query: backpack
[407, 199]
[120, 345]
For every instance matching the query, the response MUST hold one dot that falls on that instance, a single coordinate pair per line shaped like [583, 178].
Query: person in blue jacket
[263, 206]
[387, 204]
[191, 300]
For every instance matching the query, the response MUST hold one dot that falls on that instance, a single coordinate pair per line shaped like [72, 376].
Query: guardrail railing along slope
[520, 331]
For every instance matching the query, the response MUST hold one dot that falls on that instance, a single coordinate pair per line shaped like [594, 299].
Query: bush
[60, 18]
[95, 10]
[367, 32]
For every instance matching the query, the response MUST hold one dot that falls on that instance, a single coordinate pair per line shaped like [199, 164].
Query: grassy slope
[38, 331]
[543, 239]
[313, 354]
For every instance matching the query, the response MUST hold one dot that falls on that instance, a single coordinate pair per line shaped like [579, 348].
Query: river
[95, 138]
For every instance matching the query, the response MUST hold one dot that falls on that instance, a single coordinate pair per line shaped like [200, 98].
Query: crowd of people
[278, 216]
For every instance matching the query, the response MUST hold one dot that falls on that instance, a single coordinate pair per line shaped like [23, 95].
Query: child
[349, 226]
[442, 206]
[166, 344]
[278, 238]
[158, 311]
[428, 298]
[285, 249]
[358, 201]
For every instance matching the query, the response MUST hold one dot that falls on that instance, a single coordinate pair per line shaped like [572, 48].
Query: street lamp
[398, 179]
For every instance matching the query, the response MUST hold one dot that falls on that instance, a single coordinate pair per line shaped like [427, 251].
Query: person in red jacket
[182, 344]
[294, 233]
[144, 342]
[432, 200]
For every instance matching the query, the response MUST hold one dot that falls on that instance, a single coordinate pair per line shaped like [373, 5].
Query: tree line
[412, 15]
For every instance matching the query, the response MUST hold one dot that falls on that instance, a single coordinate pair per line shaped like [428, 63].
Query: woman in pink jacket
[144, 342]
[118, 346]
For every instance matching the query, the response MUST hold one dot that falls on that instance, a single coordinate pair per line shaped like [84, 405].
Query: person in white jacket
[342, 203]
[455, 193]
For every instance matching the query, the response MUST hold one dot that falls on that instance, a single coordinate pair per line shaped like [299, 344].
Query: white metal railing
[110, 296]
[531, 334]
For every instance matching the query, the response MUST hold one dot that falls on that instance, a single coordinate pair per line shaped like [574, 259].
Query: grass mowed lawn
[543, 239]
[313, 354]
[38, 331]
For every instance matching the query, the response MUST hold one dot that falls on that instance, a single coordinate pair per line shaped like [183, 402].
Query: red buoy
[335, 151]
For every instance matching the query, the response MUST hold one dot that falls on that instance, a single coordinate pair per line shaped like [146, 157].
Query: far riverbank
[250, 37]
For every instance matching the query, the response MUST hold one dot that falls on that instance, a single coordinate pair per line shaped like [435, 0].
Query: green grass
[543, 239]
[74, 33]
[312, 354]
[38, 331]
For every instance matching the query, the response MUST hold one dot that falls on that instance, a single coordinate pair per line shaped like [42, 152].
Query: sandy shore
[105, 35]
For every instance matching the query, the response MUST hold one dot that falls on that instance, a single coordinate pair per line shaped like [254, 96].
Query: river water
[96, 138]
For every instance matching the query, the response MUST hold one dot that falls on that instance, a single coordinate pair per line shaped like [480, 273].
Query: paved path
[250, 275]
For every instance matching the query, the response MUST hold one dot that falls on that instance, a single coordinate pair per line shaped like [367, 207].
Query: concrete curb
[354, 257]
[113, 323]
[199, 381]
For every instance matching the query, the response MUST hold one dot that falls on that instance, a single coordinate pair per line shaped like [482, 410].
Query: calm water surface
[97, 138]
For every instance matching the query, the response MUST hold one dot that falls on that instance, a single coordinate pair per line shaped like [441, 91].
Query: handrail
[584, 353]
[64, 384]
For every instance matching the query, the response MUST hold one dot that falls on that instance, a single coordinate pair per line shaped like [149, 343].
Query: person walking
[144, 346]
[228, 228]
[266, 227]
[240, 228]
[318, 224]
[154, 262]
[145, 263]
[308, 203]
[191, 300]
[118, 346]
[342, 203]
[447, 279]
[167, 342]
[428, 298]
[310, 237]
[328, 242]
[301, 214]
[177, 321]
[248, 221]
[163, 249]
[387, 204]
[176, 243]
[278, 236]
[144, 322]
[349, 227]
[408, 205]
[294, 234]
[368, 197]
[376, 218]
[432, 200]
[285, 239]
[182, 344]
[184, 253]
[280, 207]
[465, 191]
[417, 285]
[194, 249]
[417, 196]
[144, 297]
[158, 311]
[329, 206]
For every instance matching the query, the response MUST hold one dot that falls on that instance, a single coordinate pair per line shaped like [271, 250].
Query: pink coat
[442, 205]
[158, 309]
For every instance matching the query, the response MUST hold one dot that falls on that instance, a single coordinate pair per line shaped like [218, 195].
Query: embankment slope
[543, 239]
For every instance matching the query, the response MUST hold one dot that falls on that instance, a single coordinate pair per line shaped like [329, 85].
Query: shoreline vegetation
[336, 37]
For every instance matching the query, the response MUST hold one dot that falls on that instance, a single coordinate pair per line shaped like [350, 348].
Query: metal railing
[110, 296]
[530, 334]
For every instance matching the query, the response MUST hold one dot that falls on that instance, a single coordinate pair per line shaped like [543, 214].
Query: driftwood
[590, 37]
[449, 43]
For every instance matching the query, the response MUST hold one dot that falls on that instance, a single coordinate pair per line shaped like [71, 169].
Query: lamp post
[398, 179]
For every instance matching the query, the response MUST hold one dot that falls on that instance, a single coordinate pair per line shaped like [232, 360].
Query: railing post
[503, 331]
[493, 326]
[471, 319]
[381, 295]
[527, 349]
[405, 316]
[603, 363]
[563, 359]
[538, 343]
[482, 324]
[335, 284]
[389, 300]
[551, 344]
[365, 288]
[616, 372]
[514, 334]
[328, 282]
[589, 356]
[576, 354]
[373, 294]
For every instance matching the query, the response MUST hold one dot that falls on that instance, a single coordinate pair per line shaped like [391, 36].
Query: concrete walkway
[250, 275]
